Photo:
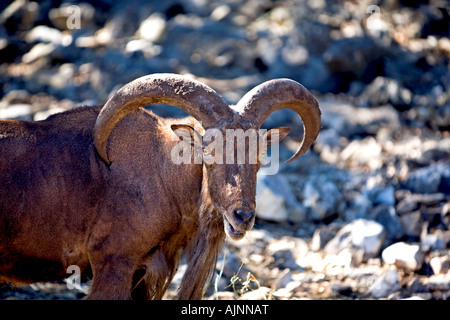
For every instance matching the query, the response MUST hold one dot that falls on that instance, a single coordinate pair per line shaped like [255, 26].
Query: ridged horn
[192, 96]
[277, 94]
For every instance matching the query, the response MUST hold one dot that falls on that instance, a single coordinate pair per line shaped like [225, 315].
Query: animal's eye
[208, 153]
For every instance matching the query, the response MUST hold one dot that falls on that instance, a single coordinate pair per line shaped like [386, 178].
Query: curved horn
[277, 94]
[192, 96]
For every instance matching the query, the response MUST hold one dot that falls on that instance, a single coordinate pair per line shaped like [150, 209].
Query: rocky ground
[365, 214]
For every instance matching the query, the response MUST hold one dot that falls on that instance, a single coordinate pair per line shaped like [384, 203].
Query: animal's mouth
[232, 231]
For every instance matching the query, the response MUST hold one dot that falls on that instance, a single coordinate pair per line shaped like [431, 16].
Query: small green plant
[245, 286]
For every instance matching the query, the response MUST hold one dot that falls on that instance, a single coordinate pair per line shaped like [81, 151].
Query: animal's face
[232, 158]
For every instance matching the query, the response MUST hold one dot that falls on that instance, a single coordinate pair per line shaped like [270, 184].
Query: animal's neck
[208, 213]
[203, 252]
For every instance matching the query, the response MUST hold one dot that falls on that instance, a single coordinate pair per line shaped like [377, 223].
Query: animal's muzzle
[238, 222]
[244, 217]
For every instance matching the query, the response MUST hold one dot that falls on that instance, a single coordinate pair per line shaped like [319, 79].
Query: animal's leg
[113, 277]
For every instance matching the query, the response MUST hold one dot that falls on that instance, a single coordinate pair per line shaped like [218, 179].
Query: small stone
[411, 202]
[440, 265]
[414, 285]
[385, 284]
[432, 242]
[386, 215]
[403, 256]
[413, 298]
[281, 192]
[431, 179]
[359, 235]
[321, 196]
[383, 195]
[44, 34]
[359, 207]
[262, 293]
[17, 97]
[146, 47]
[152, 28]
[438, 282]
[16, 111]
[42, 115]
[366, 153]
[384, 91]
[40, 50]
[411, 223]
[220, 13]
[321, 237]
[295, 55]
[270, 206]
[287, 252]
[282, 279]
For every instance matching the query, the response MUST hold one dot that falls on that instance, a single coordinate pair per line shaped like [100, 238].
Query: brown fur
[60, 205]
[98, 188]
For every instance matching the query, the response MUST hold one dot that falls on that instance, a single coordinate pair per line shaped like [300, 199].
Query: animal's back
[42, 165]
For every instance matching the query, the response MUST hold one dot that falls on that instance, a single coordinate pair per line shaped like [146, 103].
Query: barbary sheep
[97, 187]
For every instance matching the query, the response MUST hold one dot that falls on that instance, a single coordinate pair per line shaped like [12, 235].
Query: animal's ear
[275, 135]
[186, 133]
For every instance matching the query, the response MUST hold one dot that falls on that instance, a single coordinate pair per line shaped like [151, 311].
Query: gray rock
[282, 279]
[17, 97]
[321, 196]
[44, 34]
[363, 153]
[262, 293]
[328, 137]
[411, 223]
[431, 179]
[348, 119]
[361, 235]
[270, 206]
[387, 216]
[352, 56]
[385, 284]
[411, 202]
[413, 298]
[430, 242]
[39, 51]
[404, 256]
[440, 264]
[316, 75]
[286, 251]
[438, 282]
[321, 237]
[384, 91]
[24, 13]
[16, 111]
[275, 200]
[359, 206]
[381, 195]
[152, 28]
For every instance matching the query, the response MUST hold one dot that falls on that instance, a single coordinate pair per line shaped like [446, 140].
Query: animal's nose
[244, 216]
